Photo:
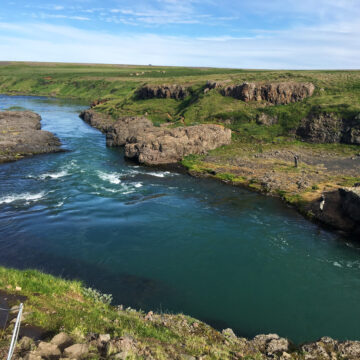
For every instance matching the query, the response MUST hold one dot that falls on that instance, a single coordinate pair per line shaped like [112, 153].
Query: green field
[336, 91]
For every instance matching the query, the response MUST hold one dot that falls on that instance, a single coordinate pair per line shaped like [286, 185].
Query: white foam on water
[137, 185]
[112, 178]
[160, 174]
[335, 263]
[26, 197]
[109, 190]
[57, 175]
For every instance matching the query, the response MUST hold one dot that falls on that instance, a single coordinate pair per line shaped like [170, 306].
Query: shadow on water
[127, 289]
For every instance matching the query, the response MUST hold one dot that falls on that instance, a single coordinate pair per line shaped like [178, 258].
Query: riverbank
[91, 328]
[323, 170]
[274, 117]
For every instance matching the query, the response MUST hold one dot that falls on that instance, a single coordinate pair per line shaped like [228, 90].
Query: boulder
[21, 135]
[349, 350]
[62, 340]
[124, 344]
[270, 344]
[25, 343]
[177, 92]
[48, 350]
[104, 338]
[267, 120]
[77, 351]
[229, 333]
[325, 348]
[32, 356]
[274, 93]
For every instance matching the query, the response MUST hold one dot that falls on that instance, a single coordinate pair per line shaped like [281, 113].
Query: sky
[265, 34]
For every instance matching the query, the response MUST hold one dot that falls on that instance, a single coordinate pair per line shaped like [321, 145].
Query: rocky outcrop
[97, 120]
[151, 145]
[350, 201]
[21, 135]
[128, 128]
[322, 128]
[274, 93]
[267, 120]
[165, 146]
[177, 92]
[351, 131]
[270, 346]
[329, 128]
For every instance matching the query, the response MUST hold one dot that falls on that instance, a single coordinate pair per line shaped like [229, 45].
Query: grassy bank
[54, 305]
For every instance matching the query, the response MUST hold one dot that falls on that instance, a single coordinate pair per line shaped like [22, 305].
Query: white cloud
[60, 16]
[323, 47]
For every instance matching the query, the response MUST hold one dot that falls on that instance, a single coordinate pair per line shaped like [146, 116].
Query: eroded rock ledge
[274, 93]
[21, 135]
[152, 145]
[330, 128]
[177, 92]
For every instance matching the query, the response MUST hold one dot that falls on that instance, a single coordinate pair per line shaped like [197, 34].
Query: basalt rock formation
[21, 135]
[176, 92]
[151, 145]
[329, 128]
[350, 200]
[164, 146]
[274, 93]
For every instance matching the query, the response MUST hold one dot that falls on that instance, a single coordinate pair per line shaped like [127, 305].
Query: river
[168, 242]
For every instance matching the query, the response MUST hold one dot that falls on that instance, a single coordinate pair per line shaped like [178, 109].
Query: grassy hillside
[336, 91]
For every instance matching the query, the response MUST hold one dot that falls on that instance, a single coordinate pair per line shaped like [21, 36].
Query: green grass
[57, 305]
[336, 91]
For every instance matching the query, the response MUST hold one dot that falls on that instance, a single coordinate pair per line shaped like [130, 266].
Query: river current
[168, 242]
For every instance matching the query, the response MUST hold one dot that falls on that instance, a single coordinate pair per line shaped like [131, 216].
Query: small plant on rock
[97, 296]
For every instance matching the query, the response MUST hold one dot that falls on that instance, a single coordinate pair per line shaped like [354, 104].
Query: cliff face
[274, 93]
[329, 128]
[21, 135]
[153, 145]
[162, 92]
[164, 146]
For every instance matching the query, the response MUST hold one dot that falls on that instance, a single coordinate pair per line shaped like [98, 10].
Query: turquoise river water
[168, 242]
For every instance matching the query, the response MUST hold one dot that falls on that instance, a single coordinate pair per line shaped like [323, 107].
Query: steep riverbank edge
[91, 328]
[271, 172]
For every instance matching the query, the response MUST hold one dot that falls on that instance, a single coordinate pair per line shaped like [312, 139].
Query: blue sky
[289, 34]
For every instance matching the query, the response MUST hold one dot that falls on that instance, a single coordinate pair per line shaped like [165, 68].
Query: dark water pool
[165, 241]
